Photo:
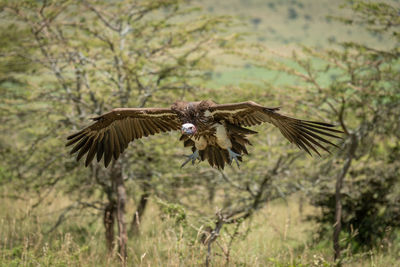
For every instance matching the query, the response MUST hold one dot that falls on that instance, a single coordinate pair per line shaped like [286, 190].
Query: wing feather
[315, 136]
[307, 135]
[135, 131]
[315, 142]
[128, 129]
[111, 133]
[116, 147]
[100, 148]
[92, 151]
[122, 138]
[219, 159]
[300, 144]
[159, 125]
[143, 125]
[162, 125]
[154, 128]
[138, 128]
[211, 155]
[147, 127]
[124, 132]
[74, 138]
[107, 148]
[308, 144]
[85, 148]
[79, 145]
[306, 126]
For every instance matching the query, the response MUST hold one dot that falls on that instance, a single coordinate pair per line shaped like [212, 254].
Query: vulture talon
[192, 158]
[233, 156]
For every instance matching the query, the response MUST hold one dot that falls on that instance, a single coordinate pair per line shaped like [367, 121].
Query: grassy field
[279, 236]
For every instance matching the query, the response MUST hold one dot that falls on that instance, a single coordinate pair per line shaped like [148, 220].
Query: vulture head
[188, 129]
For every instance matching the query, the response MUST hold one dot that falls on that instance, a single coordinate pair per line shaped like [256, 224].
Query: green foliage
[376, 17]
[175, 211]
[371, 210]
[357, 85]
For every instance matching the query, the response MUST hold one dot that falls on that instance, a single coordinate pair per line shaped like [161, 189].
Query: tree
[89, 57]
[358, 86]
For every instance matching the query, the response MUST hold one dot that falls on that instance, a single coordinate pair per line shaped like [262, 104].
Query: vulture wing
[112, 132]
[305, 134]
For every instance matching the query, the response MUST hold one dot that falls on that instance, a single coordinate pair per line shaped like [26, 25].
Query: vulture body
[215, 132]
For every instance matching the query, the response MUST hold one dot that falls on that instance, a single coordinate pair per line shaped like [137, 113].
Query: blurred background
[64, 62]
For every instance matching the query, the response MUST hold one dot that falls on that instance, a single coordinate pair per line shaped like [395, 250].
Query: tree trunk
[137, 216]
[120, 192]
[145, 186]
[338, 196]
[301, 204]
[108, 220]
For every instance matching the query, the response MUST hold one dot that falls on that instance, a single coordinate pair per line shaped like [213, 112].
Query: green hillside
[284, 24]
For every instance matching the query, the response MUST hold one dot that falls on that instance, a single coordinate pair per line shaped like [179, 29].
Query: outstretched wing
[305, 134]
[112, 132]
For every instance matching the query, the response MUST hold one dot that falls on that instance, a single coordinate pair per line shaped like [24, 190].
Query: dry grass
[276, 236]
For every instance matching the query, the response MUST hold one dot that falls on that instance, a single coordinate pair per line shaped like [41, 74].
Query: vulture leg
[233, 156]
[192, 158]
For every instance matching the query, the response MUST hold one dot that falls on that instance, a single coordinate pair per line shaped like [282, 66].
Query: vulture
[215, 132]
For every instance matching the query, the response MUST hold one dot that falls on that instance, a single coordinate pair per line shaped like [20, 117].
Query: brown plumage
[219, 134]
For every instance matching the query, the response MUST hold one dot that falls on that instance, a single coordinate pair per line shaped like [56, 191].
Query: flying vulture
[215, 132]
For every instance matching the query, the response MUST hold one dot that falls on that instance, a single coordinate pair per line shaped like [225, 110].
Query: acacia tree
[358, 86]
[92, 56]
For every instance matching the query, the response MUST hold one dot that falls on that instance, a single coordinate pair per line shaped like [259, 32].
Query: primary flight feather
[216, 132]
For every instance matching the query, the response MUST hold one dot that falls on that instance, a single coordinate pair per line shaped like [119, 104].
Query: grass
[278, 235]
[250, 75]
